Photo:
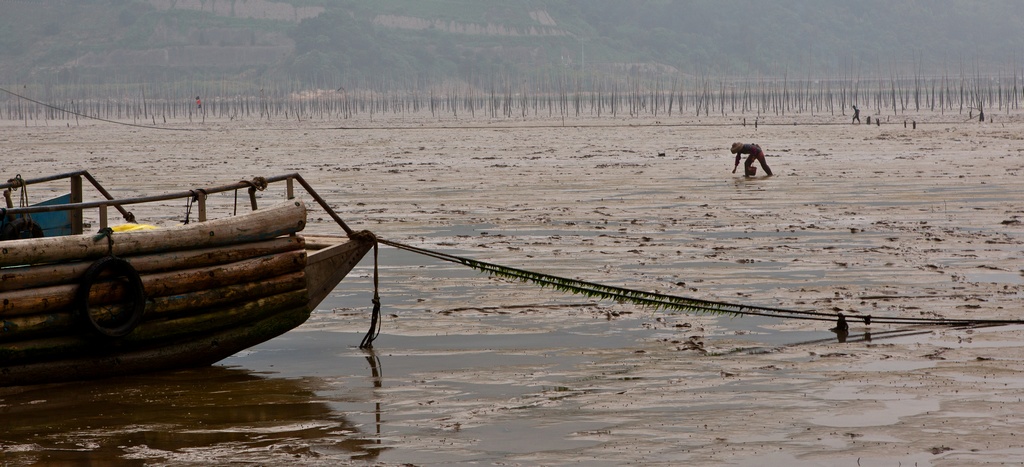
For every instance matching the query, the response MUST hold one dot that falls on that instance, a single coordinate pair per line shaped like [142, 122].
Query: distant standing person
[199, 103]
[856, 114]
[753, 152]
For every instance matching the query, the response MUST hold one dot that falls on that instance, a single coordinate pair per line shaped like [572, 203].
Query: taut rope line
[72, 112]
[673, 302]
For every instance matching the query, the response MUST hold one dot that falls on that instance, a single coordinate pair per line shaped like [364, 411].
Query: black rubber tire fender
[118, 268]
[15, 229]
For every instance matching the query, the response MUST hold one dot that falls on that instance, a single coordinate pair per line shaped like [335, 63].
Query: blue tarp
[54, 224]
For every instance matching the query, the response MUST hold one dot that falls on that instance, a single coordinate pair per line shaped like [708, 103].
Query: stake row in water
[558, 95]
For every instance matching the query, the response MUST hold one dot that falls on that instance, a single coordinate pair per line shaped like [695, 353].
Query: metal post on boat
[252, 196]
[103, 216]
[10, 205]
[291, 187]
[309, 189]
[201, 197]
[77, 225]
[103, 191]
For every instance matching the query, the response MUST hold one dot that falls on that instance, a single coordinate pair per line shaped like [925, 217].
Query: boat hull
[211, 290]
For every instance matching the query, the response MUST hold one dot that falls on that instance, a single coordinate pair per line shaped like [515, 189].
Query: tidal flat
[880, 220]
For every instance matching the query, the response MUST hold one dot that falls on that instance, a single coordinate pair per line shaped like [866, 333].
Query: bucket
[751, 171]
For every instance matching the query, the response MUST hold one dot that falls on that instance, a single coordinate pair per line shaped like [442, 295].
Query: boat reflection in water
[211, 415]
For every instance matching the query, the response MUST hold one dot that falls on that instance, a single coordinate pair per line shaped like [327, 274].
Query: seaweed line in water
[659, 301]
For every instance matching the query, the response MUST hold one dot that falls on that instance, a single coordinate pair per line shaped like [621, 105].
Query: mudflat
[880, 220]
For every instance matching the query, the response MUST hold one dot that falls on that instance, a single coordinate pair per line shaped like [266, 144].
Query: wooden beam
[65, 273]
[62, 297]
[283, 219]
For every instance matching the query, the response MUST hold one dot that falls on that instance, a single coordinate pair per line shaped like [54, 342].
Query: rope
[23, 197]
[260, 183]
[375, 321]
[257, 183]
[674, 302]
[109, 233]
[19, 182]
[72, 112]
[188, 205]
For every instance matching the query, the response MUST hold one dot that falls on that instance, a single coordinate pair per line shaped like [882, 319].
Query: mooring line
[72, 112]
[686, 304]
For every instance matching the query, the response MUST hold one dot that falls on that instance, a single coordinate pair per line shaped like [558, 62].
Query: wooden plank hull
[211, 290]
[180, 353]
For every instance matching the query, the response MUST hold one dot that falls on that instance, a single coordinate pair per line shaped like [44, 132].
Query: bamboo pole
[282, 219]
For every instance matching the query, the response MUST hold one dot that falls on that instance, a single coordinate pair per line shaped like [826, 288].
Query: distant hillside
[321, 42]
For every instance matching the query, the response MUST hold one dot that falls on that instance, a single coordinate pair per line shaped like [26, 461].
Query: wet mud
[863, 220]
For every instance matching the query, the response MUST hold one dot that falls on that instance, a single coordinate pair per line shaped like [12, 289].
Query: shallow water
[461, 390]
[470, 369]
[558, 382]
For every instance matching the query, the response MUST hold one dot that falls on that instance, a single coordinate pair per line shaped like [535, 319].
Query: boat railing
[77, 204]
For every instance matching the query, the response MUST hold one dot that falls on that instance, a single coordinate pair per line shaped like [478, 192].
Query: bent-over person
[753, 152]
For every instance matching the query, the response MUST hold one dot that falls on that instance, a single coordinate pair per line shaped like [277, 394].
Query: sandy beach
[885, 220]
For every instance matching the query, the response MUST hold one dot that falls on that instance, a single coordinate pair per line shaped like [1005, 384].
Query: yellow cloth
[131, 227]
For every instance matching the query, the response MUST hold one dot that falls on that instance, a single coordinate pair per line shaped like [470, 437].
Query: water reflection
[844, 336]
[378, 382]
[205, 415]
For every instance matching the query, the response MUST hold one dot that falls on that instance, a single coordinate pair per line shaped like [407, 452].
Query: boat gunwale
[213, 233]
[78, 206]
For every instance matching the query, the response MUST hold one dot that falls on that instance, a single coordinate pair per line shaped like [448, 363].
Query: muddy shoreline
[882, 220]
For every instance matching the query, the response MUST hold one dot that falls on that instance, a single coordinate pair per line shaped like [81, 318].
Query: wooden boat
[87, 305]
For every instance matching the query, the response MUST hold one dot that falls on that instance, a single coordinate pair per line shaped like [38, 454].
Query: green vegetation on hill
[428, 41]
